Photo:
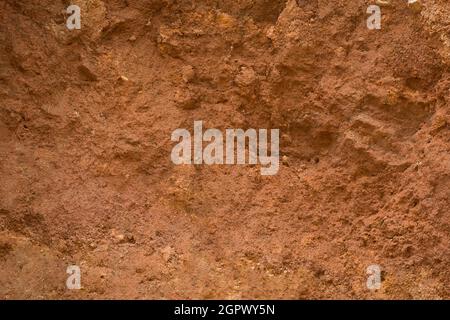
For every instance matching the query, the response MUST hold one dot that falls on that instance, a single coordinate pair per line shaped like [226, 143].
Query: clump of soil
[86, 178]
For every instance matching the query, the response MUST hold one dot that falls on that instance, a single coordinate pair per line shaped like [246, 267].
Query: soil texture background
[86, 177]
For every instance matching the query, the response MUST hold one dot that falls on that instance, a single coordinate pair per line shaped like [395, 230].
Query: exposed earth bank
[86, 178]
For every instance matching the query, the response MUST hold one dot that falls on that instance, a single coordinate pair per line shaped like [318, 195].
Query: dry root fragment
[384, 3]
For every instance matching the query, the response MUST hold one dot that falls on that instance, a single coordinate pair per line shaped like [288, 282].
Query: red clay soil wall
[86, 118]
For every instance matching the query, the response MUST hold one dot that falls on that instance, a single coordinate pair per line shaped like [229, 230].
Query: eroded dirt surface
[85, 170]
